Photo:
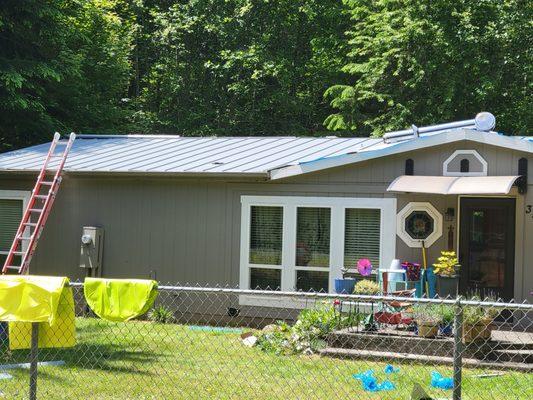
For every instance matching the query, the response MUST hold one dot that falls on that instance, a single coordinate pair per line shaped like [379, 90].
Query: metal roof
[186, 155]
[274, 157]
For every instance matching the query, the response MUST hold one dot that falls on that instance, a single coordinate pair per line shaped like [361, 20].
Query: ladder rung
[41, 196]
[36, 209]
[24, 238]
[48, 183]
[19, 253]
[29, 223]
[12, 267]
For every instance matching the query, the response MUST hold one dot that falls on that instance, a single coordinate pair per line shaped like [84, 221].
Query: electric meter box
[92, 245]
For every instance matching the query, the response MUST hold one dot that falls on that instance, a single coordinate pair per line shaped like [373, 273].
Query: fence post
[34, 353]
[457, 349]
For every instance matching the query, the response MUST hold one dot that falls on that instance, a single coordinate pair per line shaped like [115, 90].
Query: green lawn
[142, 360]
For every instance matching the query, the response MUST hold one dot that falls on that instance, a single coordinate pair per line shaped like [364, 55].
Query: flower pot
[481, 330]
[485, 329]
[447, 286]
[446, 329]
[427, 329]
[345, 286]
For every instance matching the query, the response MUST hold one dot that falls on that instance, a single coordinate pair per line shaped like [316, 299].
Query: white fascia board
[490, 138]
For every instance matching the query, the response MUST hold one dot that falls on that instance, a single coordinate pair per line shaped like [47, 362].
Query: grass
[144, 360]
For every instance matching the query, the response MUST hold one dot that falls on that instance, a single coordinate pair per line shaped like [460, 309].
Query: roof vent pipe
[484, 121]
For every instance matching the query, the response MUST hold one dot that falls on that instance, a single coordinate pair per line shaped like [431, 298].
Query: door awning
[453, 184]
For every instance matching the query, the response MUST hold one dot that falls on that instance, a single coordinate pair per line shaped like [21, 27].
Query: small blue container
[345, 286]
[446, 330]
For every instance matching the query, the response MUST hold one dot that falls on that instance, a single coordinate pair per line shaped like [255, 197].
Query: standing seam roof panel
[208, 161]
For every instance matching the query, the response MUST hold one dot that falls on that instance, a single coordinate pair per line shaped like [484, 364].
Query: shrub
[447, 264]
[366, 287]
[445, 313]
[309, 332]
[161, 314]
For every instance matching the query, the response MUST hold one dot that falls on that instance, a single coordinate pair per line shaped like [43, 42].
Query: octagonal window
[419, 224]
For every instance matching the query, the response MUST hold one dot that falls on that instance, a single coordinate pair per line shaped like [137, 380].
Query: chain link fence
[212, 343]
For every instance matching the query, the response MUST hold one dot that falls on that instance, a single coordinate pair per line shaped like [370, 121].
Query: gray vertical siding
[188, 230]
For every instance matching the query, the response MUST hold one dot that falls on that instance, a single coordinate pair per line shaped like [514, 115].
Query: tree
[422, 62]
[63, 66]
[243, 67]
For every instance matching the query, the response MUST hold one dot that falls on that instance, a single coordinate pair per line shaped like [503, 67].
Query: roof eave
[490, 138]
[232, 175]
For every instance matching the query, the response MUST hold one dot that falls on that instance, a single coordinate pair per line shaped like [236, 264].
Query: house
[288, 212]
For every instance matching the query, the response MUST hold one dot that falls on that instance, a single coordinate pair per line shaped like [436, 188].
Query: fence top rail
[344, 297]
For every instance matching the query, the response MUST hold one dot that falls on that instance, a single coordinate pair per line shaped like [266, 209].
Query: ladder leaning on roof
[39, 207]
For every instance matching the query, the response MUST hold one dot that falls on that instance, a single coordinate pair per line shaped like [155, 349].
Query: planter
[345, 286]
[485, 330]
[481, 330]
[447, 286]
[446, 329]
[427, 329]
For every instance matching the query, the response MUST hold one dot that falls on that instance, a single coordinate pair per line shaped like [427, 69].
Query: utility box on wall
[92, 245]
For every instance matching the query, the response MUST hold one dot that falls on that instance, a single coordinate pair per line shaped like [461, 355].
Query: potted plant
[344, 285]
[446, 269]
[427, 320]
[366, 287]
[446, 315]
[473, 323]
[413, 275]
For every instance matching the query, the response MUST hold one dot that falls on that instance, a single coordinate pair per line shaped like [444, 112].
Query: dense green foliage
[423, 62]
[259, 67]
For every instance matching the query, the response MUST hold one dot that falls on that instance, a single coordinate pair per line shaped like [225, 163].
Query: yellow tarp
[119, 299]
[44, 299]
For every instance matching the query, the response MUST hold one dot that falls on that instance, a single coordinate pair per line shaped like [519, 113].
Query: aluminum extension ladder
[39, 207]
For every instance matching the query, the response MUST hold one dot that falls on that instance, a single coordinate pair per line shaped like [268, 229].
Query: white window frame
[432, 212]
[17, 195]
[458, 153]
[290, 204]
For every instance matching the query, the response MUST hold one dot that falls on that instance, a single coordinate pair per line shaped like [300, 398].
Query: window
[265, 235]
[417, 222]
[266, 228]
[12, 205]
[302, 243]
[312, 237]
[362, 236]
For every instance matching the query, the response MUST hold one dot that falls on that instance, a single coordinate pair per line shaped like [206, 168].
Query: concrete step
[519, 356]
[421, 359]
[404, 342]
[504, 345]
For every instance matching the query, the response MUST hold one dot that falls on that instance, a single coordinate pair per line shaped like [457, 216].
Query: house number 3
[529, 209]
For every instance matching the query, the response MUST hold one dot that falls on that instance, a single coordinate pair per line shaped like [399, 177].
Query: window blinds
[266, 229]
[10, 216]
[361, 236]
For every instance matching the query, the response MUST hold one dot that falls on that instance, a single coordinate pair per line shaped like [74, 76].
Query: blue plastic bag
[370, 382]
[440, 382]
[389, 369]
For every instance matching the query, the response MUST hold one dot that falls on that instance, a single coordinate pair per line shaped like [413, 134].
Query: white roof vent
[485, 121]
